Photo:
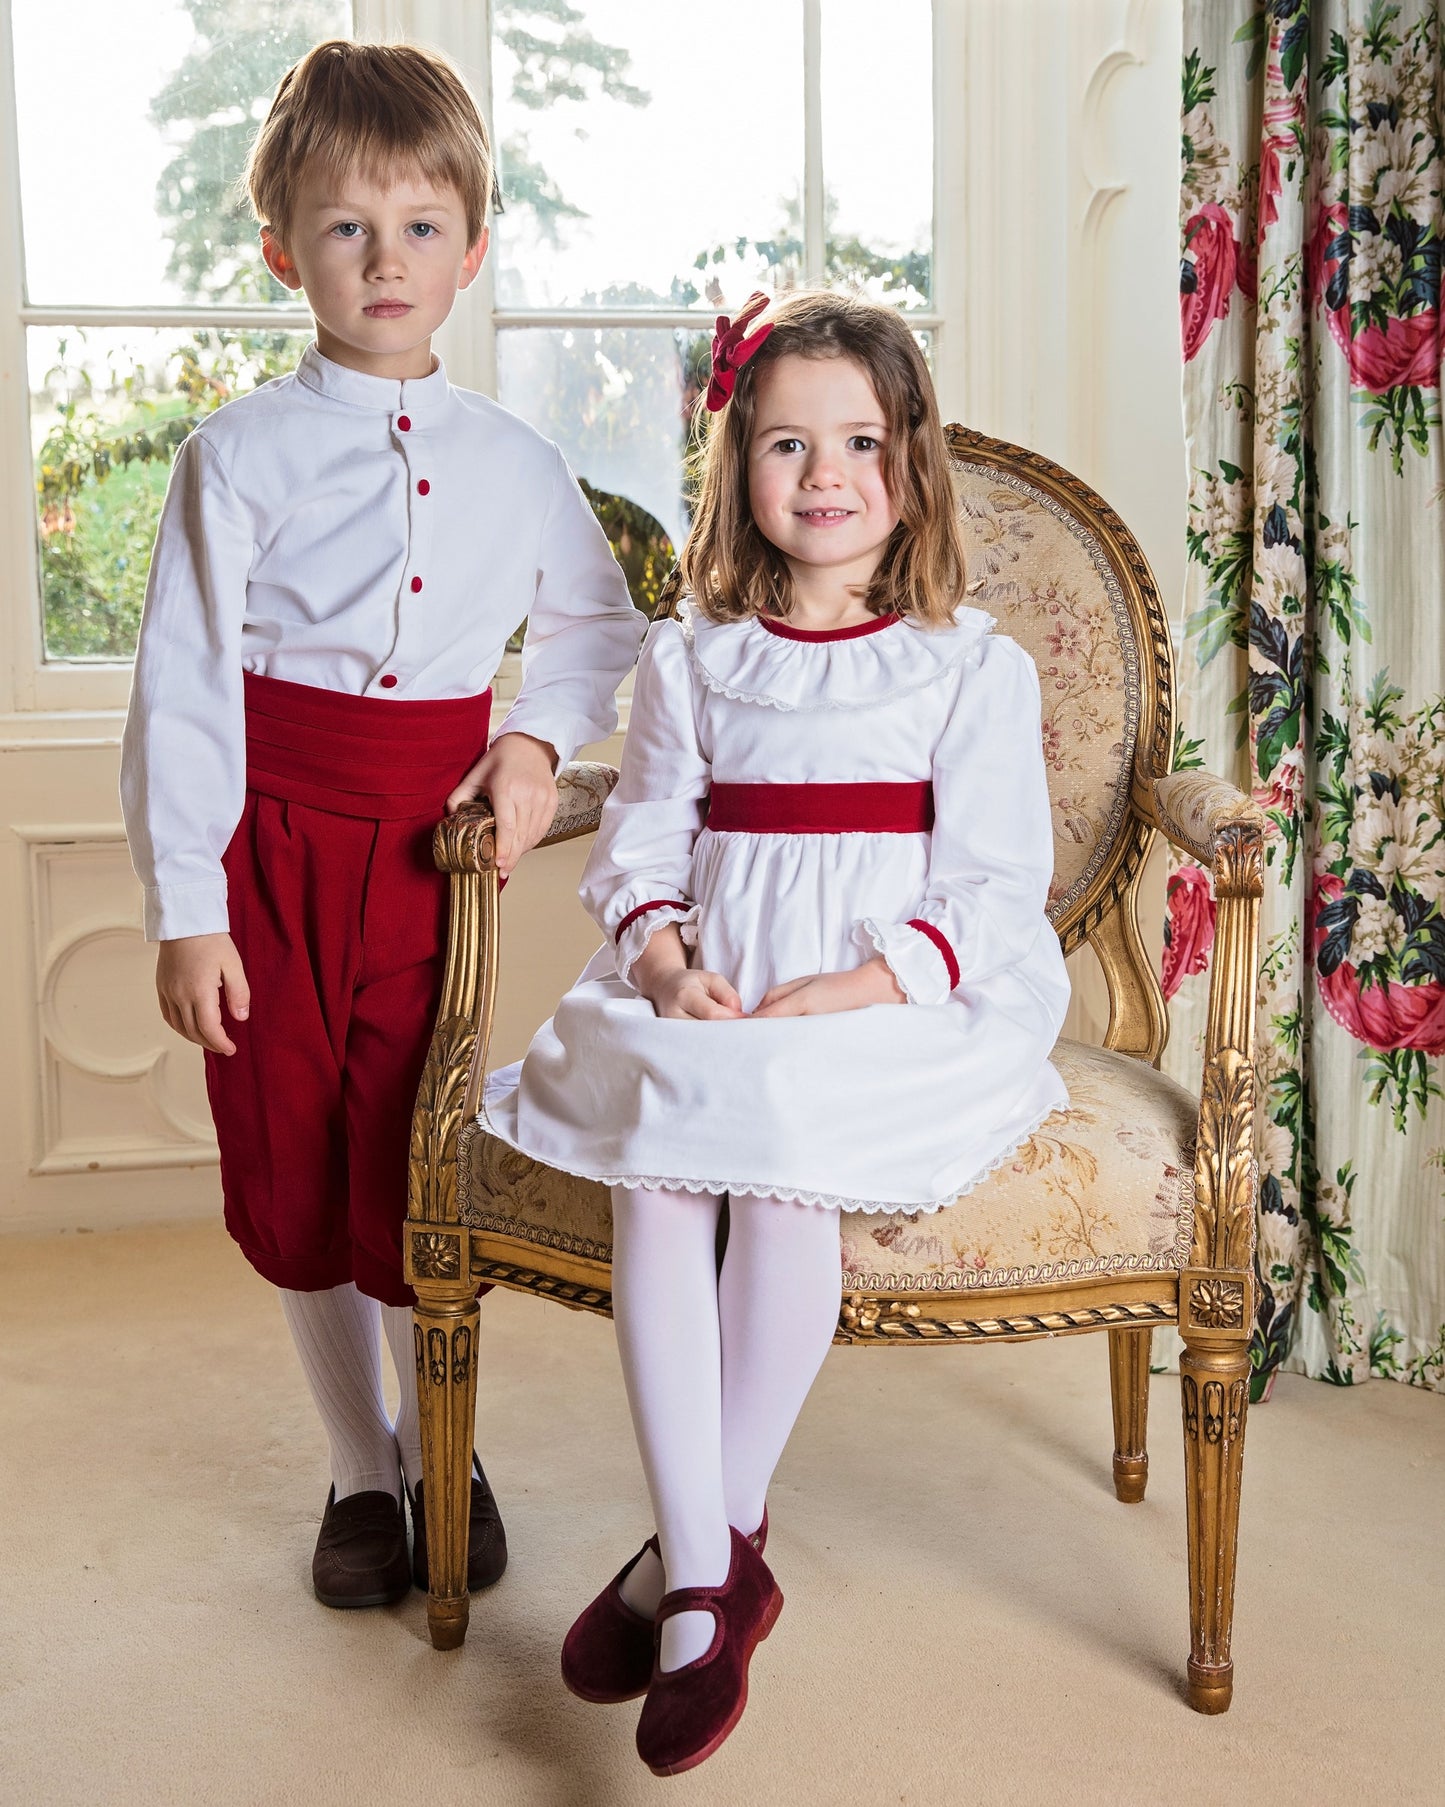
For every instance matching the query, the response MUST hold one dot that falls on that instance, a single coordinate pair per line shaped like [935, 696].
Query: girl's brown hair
[734, 571]
[383, 109]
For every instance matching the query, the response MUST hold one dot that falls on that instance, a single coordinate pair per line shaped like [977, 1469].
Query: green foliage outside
[102, 469]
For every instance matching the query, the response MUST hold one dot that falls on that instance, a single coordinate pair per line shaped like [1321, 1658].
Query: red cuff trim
[662, 903]
[941, 943]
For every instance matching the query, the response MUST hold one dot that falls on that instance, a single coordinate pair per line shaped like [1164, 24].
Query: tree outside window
[586, 234]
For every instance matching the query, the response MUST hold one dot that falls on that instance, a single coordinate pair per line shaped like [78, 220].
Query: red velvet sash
[821, 808]
[360, 755]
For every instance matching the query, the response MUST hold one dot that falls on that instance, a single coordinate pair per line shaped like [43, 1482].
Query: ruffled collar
[782, 667]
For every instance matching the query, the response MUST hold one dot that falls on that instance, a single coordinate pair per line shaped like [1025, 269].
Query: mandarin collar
[419, 398]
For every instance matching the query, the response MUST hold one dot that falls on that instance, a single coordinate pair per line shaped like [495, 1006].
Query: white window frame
[78, 704]
[475, 331]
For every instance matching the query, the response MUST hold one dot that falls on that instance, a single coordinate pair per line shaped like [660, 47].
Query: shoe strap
[690, 1599]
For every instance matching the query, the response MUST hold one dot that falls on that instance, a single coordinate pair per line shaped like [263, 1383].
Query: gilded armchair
[1134, 1210]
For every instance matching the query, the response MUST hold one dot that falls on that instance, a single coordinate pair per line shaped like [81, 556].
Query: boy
[340, 561]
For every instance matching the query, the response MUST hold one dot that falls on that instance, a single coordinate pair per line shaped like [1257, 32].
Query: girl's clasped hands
[675, 989]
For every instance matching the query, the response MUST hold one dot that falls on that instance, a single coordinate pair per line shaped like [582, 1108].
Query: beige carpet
[971, 1616]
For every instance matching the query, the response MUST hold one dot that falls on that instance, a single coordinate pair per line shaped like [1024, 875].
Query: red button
[388, 682]
[403, 423]
[423, 488]
[415, 585]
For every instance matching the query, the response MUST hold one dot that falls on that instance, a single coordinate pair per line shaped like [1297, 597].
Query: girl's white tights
[717, 1367]
[337, 1336]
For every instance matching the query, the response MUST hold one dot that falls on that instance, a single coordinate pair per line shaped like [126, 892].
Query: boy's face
[381, 267]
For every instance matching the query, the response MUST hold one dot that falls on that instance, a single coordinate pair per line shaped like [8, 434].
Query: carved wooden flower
[1217, 1304]
[860, 1313]
[436, 1256]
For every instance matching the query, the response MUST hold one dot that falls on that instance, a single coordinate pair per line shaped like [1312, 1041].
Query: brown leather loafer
[486, 1536]
[361, 1555]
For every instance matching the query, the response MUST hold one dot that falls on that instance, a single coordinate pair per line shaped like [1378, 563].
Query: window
[146, 301]
[660, 162]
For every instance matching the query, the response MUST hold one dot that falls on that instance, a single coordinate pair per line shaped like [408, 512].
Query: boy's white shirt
[292, 531]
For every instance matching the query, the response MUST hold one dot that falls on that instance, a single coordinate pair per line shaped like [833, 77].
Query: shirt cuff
[173, 911]
[918, 956]
[639, 925]
[564, 732]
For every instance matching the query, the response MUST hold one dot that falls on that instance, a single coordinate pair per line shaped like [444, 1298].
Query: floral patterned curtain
[1314, 660]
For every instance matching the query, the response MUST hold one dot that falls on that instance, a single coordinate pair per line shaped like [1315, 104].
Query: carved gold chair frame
[1209, 1296]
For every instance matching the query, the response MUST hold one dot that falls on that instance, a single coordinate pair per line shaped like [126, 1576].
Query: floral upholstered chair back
[1061, 574]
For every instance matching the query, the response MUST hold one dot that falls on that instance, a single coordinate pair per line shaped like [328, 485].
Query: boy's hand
[190, 974]
[516, 777]
[825, 993]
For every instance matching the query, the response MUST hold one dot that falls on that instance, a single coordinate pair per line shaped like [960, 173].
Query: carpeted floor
[971, 1615]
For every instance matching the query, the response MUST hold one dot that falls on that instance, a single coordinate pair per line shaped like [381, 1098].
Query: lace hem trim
[791, 1195]
[966, 657]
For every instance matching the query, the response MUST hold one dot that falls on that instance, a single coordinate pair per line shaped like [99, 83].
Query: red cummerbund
[821, 808]
[360, 755]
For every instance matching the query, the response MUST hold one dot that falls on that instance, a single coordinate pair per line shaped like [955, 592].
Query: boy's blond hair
[381, 110]
[733, 570]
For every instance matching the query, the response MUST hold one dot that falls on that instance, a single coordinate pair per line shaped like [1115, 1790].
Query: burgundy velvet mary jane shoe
[607, 1655]
[690, 1711]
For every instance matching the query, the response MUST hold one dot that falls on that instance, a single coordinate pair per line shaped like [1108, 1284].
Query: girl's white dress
[892, 1107]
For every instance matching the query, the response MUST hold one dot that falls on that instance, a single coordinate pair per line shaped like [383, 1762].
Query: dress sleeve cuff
[639, 925]
[173, 911]
[918, 956]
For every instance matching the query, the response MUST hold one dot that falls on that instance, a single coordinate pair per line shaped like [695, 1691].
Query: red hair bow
[731, 349]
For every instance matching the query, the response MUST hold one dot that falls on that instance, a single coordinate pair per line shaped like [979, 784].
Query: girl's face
[815, 468]
[380, 266]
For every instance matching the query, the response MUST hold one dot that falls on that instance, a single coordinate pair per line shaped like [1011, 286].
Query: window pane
[108, 407]
[878, 147]
[647, 150]
[619, 404]
[134, 124]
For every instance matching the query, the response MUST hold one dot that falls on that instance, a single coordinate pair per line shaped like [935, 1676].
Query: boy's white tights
[717, 1367]
[338, 1338]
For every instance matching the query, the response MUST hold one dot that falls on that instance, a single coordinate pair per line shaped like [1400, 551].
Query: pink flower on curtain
[1386, 1016]
[1188, 927]
[1285, 787]
[1207, 274]
[1281, 116]
[1403, 353]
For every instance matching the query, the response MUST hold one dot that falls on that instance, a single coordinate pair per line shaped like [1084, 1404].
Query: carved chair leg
[1214, 1379]
[445, 1329]
[1129, 1385]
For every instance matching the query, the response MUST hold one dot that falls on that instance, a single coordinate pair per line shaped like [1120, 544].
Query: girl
[830, 983]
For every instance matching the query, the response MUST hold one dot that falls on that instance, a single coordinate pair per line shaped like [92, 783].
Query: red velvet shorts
[340, 918]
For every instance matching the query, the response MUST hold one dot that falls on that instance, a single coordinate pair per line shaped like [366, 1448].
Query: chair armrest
[1223, 829]
[582, 788]
[465, 841]
[1194, 810]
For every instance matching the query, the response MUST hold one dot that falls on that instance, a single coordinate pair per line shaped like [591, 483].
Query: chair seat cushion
[1106, 1187]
